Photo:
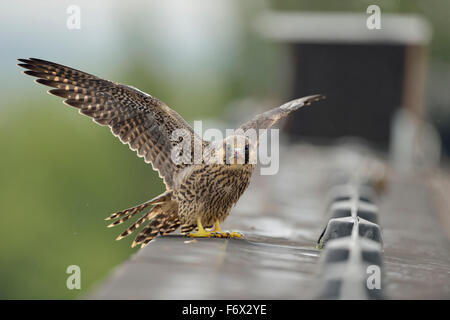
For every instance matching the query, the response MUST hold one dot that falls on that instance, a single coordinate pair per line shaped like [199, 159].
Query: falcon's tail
[163, 219]
[128, 213]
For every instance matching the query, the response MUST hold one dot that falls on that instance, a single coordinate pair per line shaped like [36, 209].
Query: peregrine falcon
[200, 195]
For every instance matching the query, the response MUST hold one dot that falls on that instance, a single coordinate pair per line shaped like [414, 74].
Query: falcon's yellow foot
[201, 232]
[225, 234]
[216, 232]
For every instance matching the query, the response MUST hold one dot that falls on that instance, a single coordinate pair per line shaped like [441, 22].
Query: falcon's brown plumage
[198, 194]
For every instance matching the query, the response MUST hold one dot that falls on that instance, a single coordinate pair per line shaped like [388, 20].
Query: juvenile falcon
[199, 194]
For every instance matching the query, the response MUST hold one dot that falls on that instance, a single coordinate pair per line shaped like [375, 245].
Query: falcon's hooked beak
[236, 153]
[237, 156]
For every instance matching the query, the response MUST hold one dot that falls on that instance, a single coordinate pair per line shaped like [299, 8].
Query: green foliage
[61, 175]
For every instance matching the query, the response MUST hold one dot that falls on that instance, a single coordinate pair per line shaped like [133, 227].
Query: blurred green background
[61, 174]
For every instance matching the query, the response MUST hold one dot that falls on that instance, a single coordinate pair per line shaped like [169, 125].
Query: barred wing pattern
[138, 119]
[267, 119]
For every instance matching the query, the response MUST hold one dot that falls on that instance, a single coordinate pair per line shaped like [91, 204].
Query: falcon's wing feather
[269, 118]
[138, 119]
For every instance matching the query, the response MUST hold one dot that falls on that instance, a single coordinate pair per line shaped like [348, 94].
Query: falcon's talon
[213, 234]
[204, 234]
[236, 235]
[225, 234]
[201, 233]
[221, 234]
[228, 234]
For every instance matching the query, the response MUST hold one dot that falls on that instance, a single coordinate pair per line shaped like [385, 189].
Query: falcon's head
[237, 150]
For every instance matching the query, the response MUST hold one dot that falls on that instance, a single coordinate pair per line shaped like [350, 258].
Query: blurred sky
[183, 45]
[192, 39]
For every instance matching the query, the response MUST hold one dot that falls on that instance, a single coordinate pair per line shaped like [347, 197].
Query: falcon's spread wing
[138, 119]
[269, 118]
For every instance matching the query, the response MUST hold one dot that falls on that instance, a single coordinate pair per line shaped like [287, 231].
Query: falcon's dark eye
[247, 154]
